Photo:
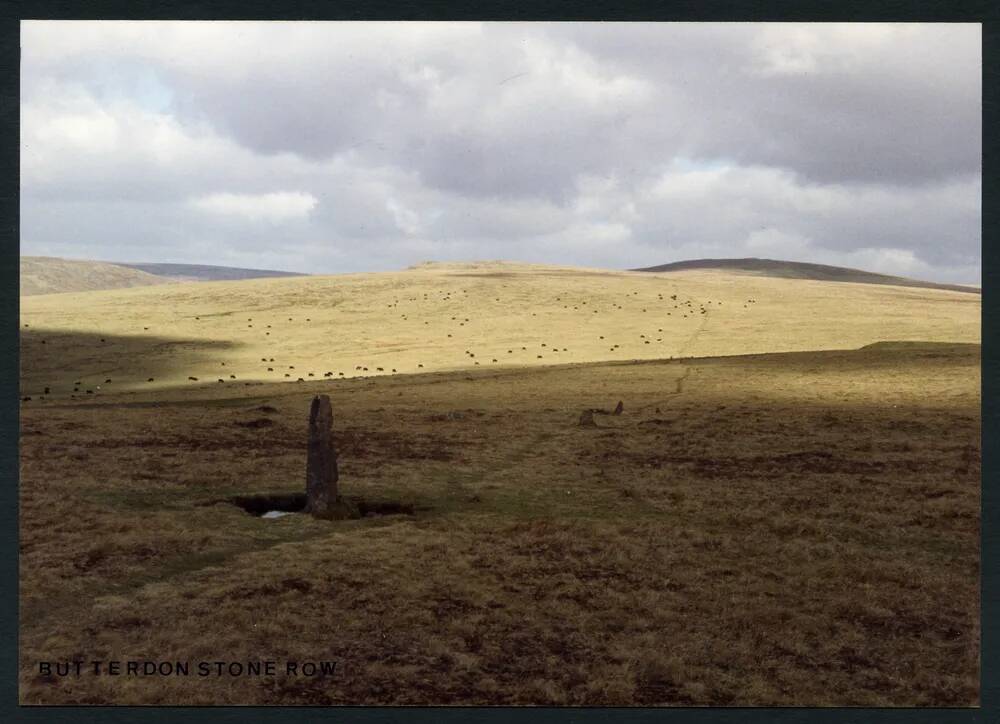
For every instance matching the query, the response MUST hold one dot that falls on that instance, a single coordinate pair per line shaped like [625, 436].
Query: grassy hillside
[784, 514]
[453, 317]
[50, 275]
[785, 529]
[207, 272]
[803, 270]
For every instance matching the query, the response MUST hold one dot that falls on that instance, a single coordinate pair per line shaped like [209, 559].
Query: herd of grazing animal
[669, 304]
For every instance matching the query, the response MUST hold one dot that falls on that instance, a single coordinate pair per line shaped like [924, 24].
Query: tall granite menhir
[322, 497]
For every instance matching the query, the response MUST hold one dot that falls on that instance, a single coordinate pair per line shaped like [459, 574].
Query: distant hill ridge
[51, 275]
[804, 270]
[208, 272]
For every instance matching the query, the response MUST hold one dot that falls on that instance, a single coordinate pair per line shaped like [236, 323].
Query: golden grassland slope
[442, 317]
[786, 513]
[776, 529]
[51, 275]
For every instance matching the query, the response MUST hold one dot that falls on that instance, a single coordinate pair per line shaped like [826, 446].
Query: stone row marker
[322, 496]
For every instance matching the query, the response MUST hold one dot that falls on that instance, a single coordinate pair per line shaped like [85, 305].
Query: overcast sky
[334, 147]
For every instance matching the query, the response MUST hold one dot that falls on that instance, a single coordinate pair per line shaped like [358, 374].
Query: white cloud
[407, 220]
[278, 206]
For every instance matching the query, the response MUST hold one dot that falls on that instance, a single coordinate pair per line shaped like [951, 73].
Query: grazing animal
[107, 381]
[270, 369]
[193, 379]
[150, 379]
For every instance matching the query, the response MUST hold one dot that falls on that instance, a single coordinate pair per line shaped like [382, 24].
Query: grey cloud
[540, 141]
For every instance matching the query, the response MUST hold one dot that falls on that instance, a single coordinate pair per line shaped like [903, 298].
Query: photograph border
[11, 13]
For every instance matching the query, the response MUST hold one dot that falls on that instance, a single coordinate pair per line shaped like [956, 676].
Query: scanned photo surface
[460, 363]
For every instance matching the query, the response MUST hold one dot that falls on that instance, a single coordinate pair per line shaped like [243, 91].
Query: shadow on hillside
[878, 354]
[57, 359]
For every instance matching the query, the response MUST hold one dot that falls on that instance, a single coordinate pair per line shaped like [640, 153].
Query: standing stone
[321, 460]
[618, 408]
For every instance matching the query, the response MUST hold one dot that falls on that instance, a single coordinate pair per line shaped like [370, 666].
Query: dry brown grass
[776, 529]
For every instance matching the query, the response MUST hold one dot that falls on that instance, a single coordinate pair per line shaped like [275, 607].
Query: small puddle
[271, 507]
